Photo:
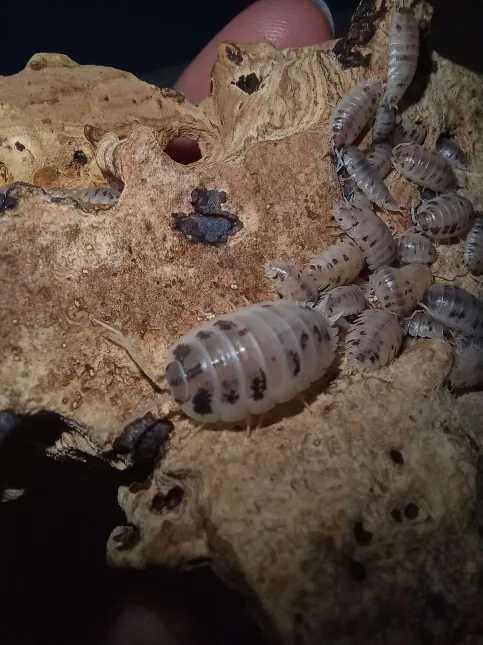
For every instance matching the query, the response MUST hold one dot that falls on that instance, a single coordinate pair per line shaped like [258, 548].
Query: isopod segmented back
[444, 217]
[456, 308]
[467, 369]
[368, 178]
[379, 156]
[473, 253]
[400, 290]
[342, 301]
[384, 122]
[414, 248]
[374, 339]
[403, 55]
[423, 325]
[247, 362]
[354, 112]
[369, 232]
[338, 264]
[425, 167]
[408, 131]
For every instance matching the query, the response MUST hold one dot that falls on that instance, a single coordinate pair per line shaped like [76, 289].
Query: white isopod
[338, 264]
[367, 178]
[424, 167]
[422, 325]
[379, 156]
[408, 131]
[414, 248]
[369, 232]
[247, 362]
[288, 282]
[384, 122]
[400, 290]
[342, 301]
[450, 150]
[403, 55]
[456, 308]
[354, 112]
[467, 369]
[374, 339]
[444, 217]
[473, 253]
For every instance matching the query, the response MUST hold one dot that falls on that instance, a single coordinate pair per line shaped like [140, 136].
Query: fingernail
[327, 13]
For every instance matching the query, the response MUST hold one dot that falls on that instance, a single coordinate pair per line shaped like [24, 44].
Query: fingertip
[284, 23]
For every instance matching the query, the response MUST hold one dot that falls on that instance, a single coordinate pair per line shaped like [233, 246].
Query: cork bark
[356, 513]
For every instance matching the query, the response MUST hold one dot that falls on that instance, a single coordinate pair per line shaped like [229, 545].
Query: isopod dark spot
[411, 511]
[181, 352]
[204, 335]
[249, 83]
[294, 362]
[317, 334]
[259, 385]
[125, 537]
[304, 338]
[202, 401]
[225, 325]
[231, 397]
[361, 535]
[396, 515]
[167, 502]
[194, 371]
[357, 570]
[243, 332]
[396, 456]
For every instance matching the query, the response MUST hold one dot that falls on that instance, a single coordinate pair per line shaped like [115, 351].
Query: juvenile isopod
[338, 264]
[379, 156]
[384, 122]
[369, 232]
[354, 112]
[408, 131]
[444, 217]
[414, 248]
[473, 253]
[422, 325]
[342, 301]
[287, 281]
[403, 55]
[367, 178]
[424, 167]
[456, 308]
[400, 290]
[467, 369]
[374, 339]
[450, 150]
[247, 362]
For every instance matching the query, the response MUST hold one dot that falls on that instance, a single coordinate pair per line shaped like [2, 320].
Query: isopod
[400, 290]
[354, 112]
[450, 150]
[247, 362]
[456, 308]
[422, 325]
[424, 167]
[414, 248]
[473, 253]
[384, 122]
[369, 232]
[408, 131]
[288, 282]
[379, 156]
[403, 55]
[374, 339]
[336, 265]
[367, 178]
[444, 217]
[342, 301]
[467, 369]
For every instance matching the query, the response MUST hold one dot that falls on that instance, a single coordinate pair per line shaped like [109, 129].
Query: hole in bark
[411, 511]
[357, 570]
[396, 515]
[169, 501]
[183, 150]
[362, 536]
[396, 457]
[249, 83]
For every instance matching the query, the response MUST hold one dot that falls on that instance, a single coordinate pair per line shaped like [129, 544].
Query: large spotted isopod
[368, 178]
[354, 112]
[424, 167]
[247, 362]
[403, 55]
[444, 217]
[456, 308]
[400, 290]
[374, 339]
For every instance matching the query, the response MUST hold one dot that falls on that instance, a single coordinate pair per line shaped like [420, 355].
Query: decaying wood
[355, 515]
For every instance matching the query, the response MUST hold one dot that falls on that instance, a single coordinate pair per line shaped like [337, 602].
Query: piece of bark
[354, 516]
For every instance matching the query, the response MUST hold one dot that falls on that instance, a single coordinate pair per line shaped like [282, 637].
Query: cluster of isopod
[247, 362]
